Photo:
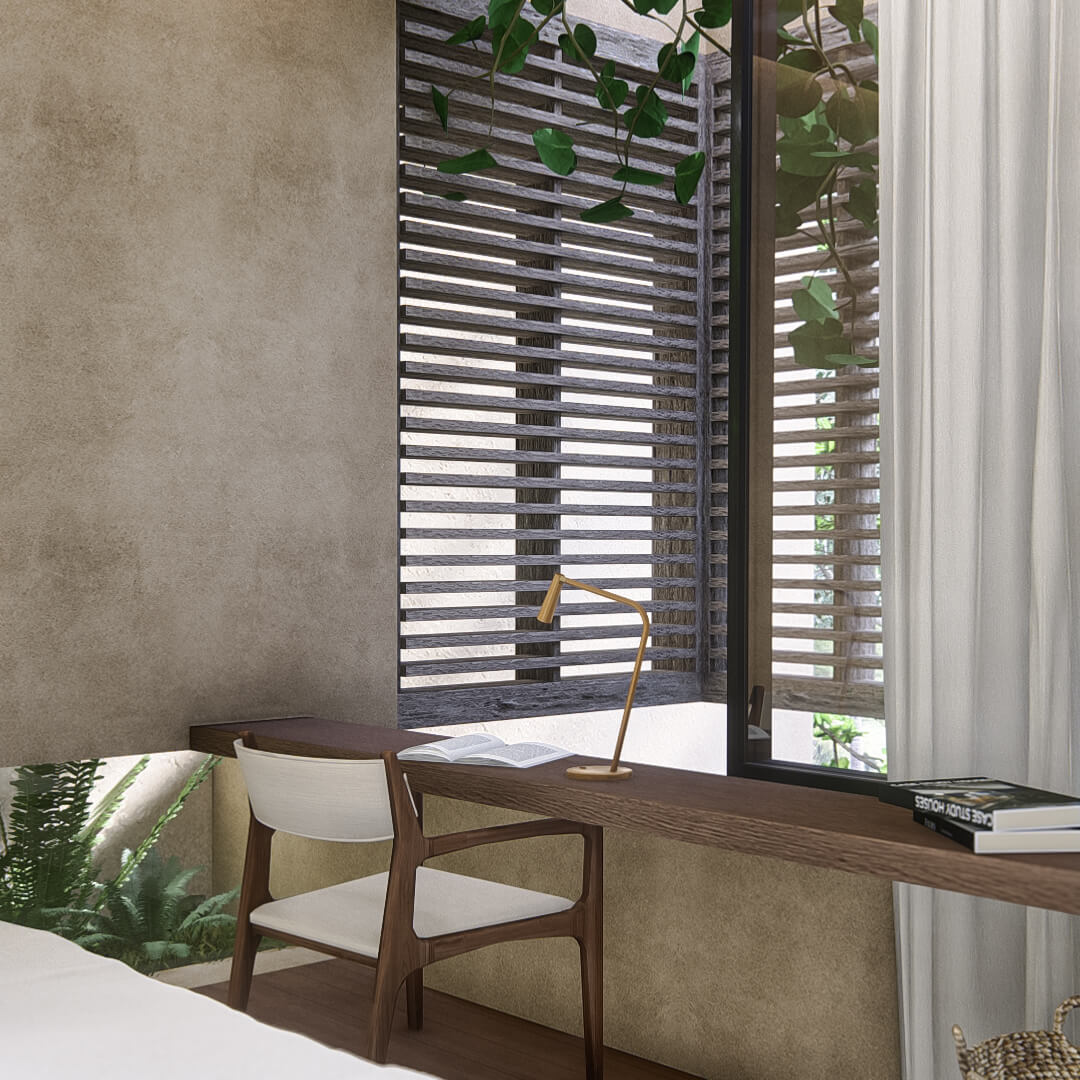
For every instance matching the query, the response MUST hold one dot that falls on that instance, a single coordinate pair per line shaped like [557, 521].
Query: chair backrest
[320, 798]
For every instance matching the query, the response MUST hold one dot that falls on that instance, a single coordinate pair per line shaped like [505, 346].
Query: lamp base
[599, 772]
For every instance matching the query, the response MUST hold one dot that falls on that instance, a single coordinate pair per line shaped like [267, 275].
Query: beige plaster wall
[729, 967]
[197, 350]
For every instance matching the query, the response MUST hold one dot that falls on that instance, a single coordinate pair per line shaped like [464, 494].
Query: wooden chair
[414, 915]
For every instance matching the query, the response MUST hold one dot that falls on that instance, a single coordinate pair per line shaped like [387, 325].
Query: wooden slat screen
[826, 525]
[550, 388]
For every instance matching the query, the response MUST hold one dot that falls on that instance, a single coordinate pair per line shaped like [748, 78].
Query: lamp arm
[637, 662]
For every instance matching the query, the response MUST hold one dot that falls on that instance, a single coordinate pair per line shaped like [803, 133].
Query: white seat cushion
[349, 916]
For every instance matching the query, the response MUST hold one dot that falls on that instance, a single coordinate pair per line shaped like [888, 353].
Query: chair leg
[414, 999]
[243, 964]
[387, 985]
[592, 1006]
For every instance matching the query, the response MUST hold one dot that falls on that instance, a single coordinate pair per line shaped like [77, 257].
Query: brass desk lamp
[614, 771]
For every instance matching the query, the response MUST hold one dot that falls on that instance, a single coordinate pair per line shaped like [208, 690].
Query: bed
[67, 1013]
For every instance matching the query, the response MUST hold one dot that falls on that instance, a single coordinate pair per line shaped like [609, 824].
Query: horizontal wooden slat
[534, 663]
[827, 483]
[868, 611]
[412, 588]
[479, 269]
[570, 359]
[844, 585]
[818, 695]
[476, 638]
[592, 257]
[595, 559]
[477, 323]
[521, 431]
[478, 481]
[427, 533]
[816, 659]
[490, 403]
[827, 509]
[410, 506]
[814, 634]
[539, 457]
[508, 301]
[503, 611]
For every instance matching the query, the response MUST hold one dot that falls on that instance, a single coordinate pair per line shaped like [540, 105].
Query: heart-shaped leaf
[515, 43]
[799, 151]
[442, 106]
[648, 117]
[548, 7]
[612, 210]
[718, 9]
[471, 31]
[862, 204]
[814, 301]
[817, 344]
[629, 174]
[803, 59]
[797, 92]
[850, 13]
[687, 174]
[556, 150]
[474, 161]
[839, 360]
[853, 114]
[611, 92]
[585, 39]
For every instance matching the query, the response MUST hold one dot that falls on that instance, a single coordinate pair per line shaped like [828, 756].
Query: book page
[451, 749]
[518, 755]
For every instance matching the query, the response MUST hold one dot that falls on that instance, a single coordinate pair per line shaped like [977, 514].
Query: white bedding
[66, 1013]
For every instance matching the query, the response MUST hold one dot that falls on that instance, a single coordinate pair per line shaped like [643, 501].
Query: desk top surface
[825, 828]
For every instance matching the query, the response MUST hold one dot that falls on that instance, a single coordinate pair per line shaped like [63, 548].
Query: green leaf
[797, 92]
[611, 92]
[556, 150]
[855, 159]
[870, 34]
[814, 301]
[789, 39]
[837, 360]
[442, 106]
[796, 192]
[709, 20]
[455, 196]
[662, 7]
[687, 174]
[674, 65]
[814, 343]
[788, 221]
[585, 39]
[612, 210]
[500, 14]
[515, 43]
[548, 7]
[850, 13]
[467, 163]
[803, 60]
[648, 117]
[471, 31]
[853, 114]
[693, 47]
[718, 9]
[798, 151]
[862, 204]
[628, 174]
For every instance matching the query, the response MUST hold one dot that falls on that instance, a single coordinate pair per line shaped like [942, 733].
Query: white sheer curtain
[981, 469]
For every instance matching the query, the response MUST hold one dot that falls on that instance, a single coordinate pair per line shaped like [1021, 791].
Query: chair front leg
[591, 945]
[254, 890]
[414, 999]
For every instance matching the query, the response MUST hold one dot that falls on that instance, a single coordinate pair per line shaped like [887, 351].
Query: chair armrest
[497, 834]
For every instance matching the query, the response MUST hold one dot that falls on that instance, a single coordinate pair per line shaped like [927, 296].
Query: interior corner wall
[198, 359]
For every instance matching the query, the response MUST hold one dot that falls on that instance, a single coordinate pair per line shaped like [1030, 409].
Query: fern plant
[151, 921]
[49, 878]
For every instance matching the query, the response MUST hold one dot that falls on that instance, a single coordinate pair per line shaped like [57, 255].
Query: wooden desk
[856, 833]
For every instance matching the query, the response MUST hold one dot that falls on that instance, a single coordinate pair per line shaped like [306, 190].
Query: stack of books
[991, 816]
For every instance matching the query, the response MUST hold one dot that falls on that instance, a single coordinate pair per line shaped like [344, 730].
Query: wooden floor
[329, 1001]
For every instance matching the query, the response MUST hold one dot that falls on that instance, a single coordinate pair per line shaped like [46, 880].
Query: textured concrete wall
[730, 967]
[197, 350]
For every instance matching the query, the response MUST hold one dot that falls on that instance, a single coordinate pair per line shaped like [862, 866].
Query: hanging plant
[828, 121]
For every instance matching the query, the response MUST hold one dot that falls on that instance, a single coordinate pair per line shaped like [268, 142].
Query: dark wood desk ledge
[856, 833]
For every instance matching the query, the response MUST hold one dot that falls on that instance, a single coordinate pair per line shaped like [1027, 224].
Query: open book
[484, 750]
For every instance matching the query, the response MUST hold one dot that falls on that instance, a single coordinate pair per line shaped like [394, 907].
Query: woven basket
[1023, 1055]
